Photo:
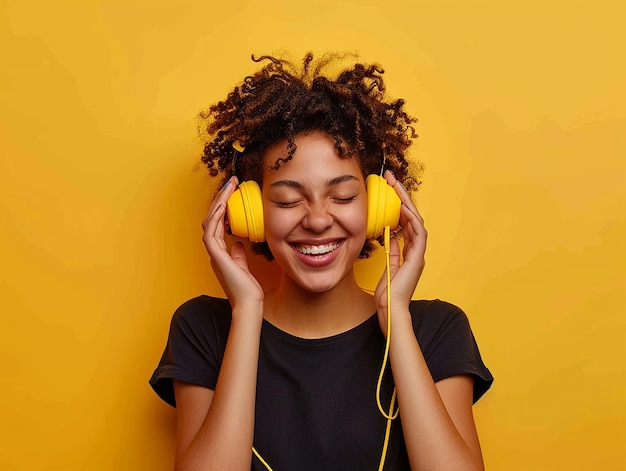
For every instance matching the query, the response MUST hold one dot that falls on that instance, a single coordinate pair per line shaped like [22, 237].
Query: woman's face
[315, 209]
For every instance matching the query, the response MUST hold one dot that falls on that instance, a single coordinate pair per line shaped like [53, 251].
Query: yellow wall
[522, 114]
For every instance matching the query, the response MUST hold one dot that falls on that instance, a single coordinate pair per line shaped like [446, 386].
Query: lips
[318, 255]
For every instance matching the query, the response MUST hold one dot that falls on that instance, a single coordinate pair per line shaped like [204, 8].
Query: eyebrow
[299, 186]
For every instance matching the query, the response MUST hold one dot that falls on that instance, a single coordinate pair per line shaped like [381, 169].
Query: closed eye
[286, 204]
[345, 200]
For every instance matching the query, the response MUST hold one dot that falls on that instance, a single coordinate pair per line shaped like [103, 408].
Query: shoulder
[201, 325]
[202, 312]
[195, 346]
[200, 305]
[434, 315]
[437, 323]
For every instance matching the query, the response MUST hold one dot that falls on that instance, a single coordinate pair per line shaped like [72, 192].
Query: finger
[401, 191]
[408, 203]
[214, 218]
[228, 188]
[412, 223]
[213, 234]
[221, 220]
[415, 236]
[415, 223]
[390, 177]
[221, 197]
[397, 185]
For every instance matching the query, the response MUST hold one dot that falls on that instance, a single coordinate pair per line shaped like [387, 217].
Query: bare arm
[216, 428]
[192, 406]
[437, 419]
[457, 394]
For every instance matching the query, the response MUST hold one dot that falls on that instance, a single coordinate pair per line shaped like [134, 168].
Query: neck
[316, 315]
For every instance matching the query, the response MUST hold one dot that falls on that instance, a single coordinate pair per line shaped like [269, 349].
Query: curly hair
[280, 101]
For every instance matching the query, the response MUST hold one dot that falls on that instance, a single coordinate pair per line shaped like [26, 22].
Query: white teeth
[317, 249]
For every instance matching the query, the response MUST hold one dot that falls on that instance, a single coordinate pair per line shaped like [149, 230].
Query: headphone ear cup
[383, 206]
[245, 212]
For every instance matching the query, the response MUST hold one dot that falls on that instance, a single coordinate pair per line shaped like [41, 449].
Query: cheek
[278, 223]
[358, 215]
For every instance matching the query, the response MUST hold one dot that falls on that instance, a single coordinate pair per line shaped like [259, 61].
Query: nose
[317, 219]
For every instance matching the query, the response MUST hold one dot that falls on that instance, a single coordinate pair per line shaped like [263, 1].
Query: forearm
[225, 438]
[433, 442]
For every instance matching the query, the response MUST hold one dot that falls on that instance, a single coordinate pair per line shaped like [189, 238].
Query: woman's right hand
[216, 427]
[231, 269]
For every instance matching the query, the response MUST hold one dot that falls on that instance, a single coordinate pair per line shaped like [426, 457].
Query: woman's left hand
[405, 270]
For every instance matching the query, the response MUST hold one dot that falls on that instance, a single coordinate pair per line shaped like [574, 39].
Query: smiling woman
[293, 378]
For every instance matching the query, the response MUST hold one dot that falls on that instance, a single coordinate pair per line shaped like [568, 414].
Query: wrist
[248, 310]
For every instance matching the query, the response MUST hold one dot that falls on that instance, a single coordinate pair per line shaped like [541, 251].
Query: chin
[320, 283]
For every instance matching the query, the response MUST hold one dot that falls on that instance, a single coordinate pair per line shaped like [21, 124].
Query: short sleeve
[448, 344]
[195, 346]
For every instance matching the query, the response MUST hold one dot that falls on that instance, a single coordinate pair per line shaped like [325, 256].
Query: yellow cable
[256, 453]
[390, 415]
[383, 455]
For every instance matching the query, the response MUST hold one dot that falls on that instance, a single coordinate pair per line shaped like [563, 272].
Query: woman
[295, 379]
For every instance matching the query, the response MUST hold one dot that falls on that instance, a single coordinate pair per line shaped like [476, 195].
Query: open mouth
[317, 249]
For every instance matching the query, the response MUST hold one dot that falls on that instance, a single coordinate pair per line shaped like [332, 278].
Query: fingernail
[227, 183]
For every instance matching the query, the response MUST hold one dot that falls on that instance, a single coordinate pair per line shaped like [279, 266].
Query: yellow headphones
[245, 209]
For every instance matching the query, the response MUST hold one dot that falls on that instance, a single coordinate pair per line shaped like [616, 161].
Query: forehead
[315, 156]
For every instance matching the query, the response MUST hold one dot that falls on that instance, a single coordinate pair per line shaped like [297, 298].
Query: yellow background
[522, 109]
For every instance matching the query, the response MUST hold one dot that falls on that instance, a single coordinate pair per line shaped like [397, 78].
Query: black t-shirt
[316, 398]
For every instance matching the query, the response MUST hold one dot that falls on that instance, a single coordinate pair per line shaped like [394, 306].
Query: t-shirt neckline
[341, 337]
